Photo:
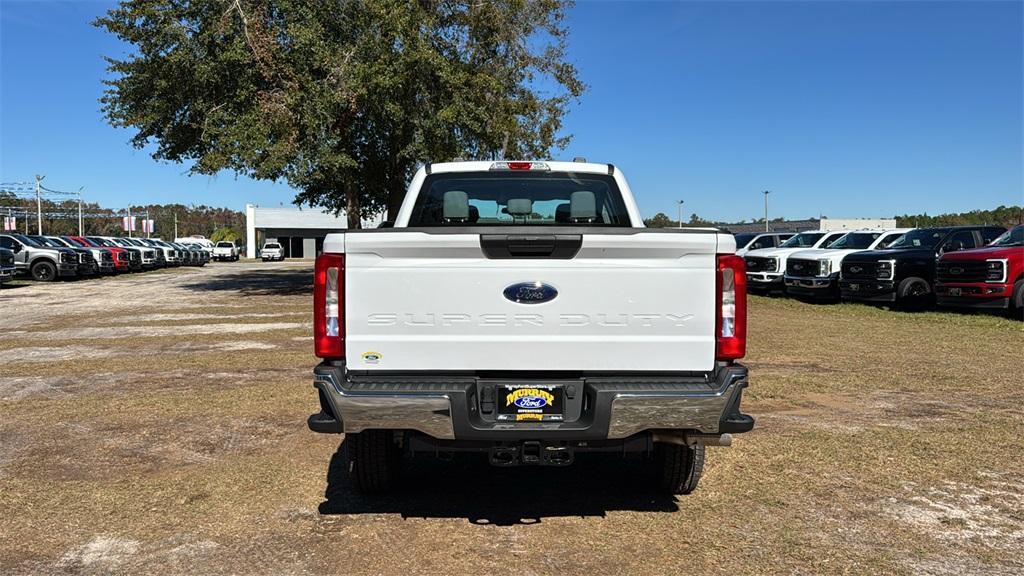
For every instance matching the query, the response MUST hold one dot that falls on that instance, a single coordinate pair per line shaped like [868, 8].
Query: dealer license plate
[530, 403]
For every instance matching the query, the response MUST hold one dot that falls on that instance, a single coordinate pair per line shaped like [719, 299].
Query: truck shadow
[264, 283]
[468, 487]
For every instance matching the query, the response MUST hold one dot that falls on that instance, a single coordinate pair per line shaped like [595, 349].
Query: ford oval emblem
[856, 269]
[530, 402]
[530, 293]
[956, 270]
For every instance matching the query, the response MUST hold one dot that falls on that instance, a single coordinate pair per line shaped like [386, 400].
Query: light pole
[39, 204]
[80, 211]
[766, 193]
[681, 213]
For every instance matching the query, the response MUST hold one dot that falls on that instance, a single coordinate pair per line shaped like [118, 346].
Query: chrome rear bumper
[450, 409]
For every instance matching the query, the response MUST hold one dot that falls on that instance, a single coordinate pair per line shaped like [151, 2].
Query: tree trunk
[352, 206]
[395, 197]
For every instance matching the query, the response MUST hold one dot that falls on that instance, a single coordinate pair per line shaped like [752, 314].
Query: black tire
[1017, 300]
[678, 468]
[373, 460]
[44, 271]
[914, 293]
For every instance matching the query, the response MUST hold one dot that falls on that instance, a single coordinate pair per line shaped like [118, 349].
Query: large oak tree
[340, 98]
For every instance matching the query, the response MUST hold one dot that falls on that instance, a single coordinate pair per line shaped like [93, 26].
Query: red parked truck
[988, 277]
[121, 257]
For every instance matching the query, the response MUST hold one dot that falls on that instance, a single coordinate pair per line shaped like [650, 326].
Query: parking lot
[157, 422]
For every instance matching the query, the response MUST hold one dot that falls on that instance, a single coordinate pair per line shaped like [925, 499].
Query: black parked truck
[904, 273]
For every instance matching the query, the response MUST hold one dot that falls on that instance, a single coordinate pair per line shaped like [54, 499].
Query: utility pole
[80, 231]
[39, 204]
[766, 193]
[175, 225]
[145, 225]
[681, 213]
[129, 226]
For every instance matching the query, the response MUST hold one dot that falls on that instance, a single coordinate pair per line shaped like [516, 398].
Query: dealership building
[813, 224]
[300, 231]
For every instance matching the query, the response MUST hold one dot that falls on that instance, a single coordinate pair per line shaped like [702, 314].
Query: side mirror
[16, 248]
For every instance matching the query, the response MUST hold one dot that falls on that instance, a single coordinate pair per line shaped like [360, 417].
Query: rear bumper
[451, 408]
[868, 290]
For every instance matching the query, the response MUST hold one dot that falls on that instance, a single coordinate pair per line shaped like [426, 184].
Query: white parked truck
[272, 250]
[225, 250]
[815, 273]
[521, 310]
[766, 267]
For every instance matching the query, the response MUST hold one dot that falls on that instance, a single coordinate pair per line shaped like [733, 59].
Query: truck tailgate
[643, 301]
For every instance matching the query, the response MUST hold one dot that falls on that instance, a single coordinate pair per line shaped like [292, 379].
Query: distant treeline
[62, 218]
[1004, 216]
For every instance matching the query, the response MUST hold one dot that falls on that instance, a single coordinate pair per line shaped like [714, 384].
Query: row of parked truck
[47, 258]
[910, 268]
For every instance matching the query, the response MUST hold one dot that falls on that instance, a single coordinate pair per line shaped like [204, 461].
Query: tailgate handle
[554, 246]
[531, 245]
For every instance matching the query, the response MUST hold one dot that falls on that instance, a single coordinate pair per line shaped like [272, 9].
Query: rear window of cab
[529, 198]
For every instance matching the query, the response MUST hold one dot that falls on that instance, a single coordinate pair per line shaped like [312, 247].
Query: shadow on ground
[468, 487]
[261, 283]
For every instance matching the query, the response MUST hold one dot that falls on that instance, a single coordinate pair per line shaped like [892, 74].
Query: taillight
[731, 308]
[328, 303]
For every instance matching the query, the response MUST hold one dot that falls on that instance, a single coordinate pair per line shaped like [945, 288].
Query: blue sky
[844, 109]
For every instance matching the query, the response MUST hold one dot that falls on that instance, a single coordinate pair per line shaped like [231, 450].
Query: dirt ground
[156, 423]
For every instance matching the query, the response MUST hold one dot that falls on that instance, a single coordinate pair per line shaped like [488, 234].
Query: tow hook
[692, 438]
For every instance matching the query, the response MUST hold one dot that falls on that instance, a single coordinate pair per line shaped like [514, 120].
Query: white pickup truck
[521, 310]
[814, 273]
[767, 267]
[225, 250]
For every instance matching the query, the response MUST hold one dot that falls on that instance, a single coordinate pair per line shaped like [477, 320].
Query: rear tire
[678, 467]
[913, 294]
[373, 460]
[44, 271]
